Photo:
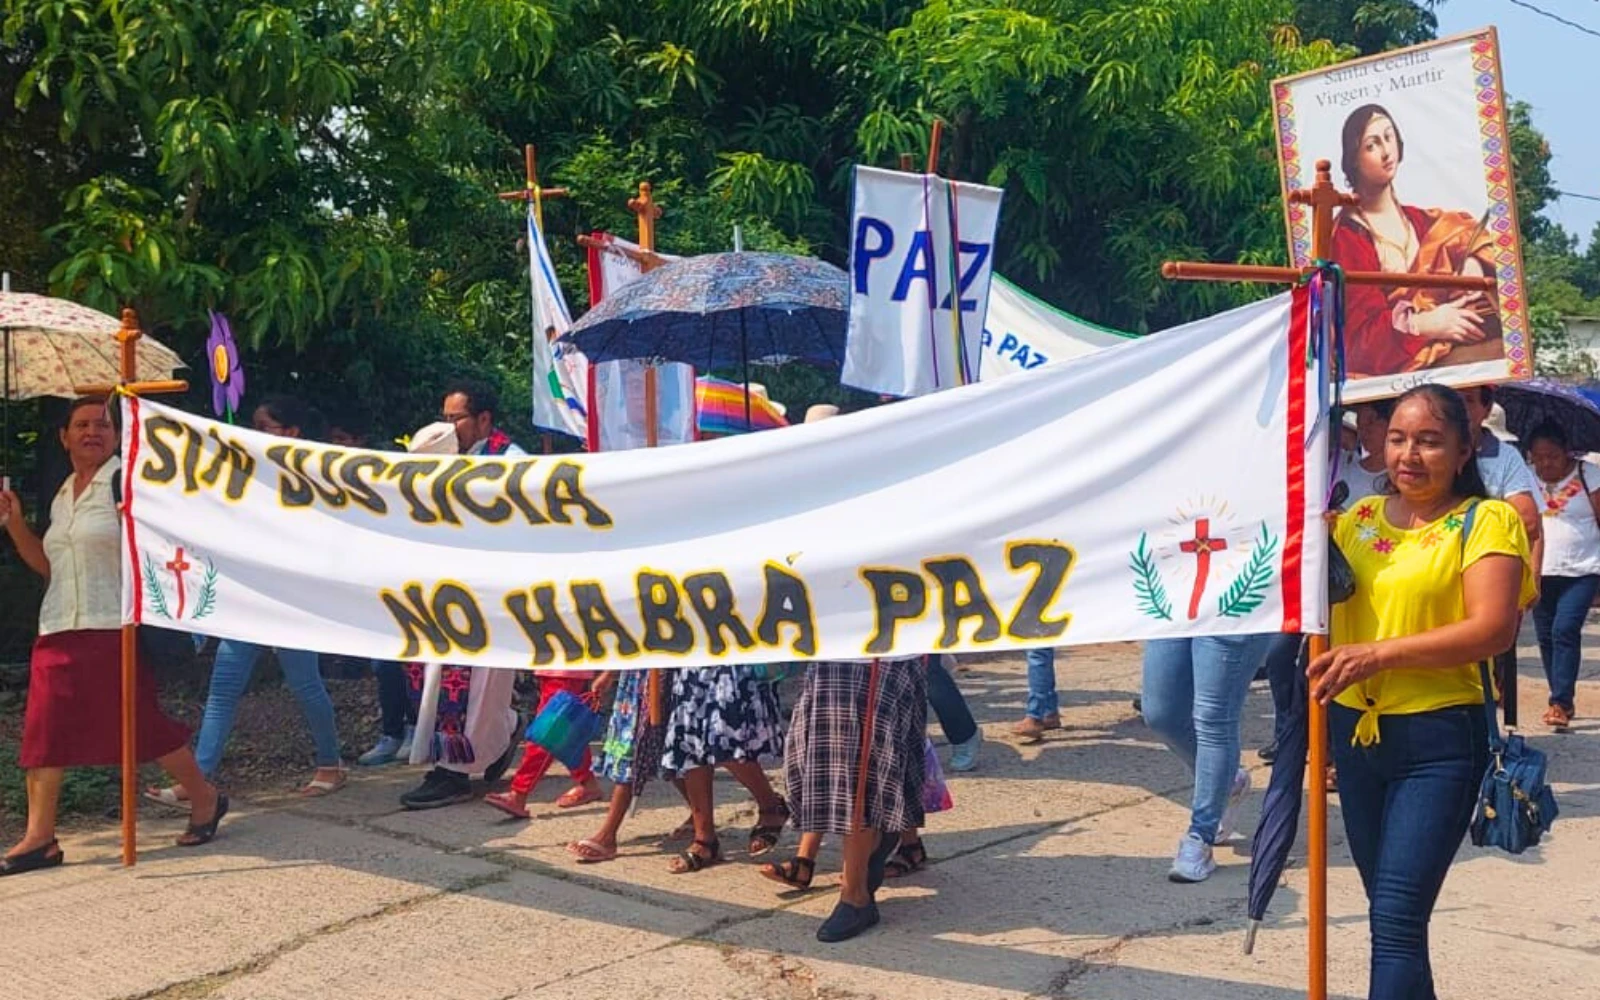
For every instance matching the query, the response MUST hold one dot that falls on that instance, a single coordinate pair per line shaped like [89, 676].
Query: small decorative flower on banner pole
[227, 368]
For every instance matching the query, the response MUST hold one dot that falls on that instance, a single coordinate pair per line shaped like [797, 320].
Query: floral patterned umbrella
[50, 346]
[723, 310]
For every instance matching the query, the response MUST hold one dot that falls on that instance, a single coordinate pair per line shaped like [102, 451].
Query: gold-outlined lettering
[786, 600]
[362, 493]
[563, 488]
[496, 512]
[439, 489]
[899, 596]
[665, 627]
[293, 490]
[955, 576]
[162, 465]
[711, 596]
[407, 472]
[1053, 562]
[597, 618]
[546, 628]
[519, 495]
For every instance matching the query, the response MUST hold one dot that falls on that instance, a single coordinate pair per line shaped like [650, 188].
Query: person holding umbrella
[1405, 704]
[1570, 576]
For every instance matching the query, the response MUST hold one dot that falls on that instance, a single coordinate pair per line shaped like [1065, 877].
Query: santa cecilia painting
[1401, 329]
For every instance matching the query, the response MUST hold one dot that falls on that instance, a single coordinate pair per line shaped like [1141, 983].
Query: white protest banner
[1162, 488]
[1021, 332]
[921, 254]
[560, 372]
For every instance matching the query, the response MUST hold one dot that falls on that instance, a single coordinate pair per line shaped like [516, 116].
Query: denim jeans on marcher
[955, 717]
[1194, 692]
[1042, 700]
[1406, 801]
[1558, 617]
[230, 676]
[394, 698]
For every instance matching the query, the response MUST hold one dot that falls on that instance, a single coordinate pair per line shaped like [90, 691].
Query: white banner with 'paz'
[1166, 487]
[921, 255]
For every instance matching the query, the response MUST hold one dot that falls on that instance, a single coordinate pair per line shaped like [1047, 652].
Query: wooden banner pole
[535, 196]
[128, 374]
[647, 211]
[1323, 198]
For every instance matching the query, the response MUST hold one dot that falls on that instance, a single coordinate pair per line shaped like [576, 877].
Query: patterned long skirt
[824, 747]
[721, 714]
[631, 754]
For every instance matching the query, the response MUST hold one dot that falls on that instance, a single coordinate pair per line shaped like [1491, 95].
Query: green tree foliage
[323, 171]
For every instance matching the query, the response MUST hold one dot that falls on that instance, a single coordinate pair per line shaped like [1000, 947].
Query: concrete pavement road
[1049, 880]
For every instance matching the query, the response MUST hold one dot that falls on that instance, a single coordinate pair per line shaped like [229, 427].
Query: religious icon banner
[1169, 486]
[921, 256]
[1419, 136]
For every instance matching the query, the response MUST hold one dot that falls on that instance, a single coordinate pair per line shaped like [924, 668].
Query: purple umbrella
[1529, 404]
[227, 368]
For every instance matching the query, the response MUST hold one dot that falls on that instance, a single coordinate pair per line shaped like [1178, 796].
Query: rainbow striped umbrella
[720, 407]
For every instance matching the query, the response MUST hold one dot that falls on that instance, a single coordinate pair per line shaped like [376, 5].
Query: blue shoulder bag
[1515, 806]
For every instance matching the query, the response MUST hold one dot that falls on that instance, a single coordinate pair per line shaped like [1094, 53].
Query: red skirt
[74, 714]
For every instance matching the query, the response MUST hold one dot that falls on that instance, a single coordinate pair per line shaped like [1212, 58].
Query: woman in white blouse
[73, 718]
[1570, 502]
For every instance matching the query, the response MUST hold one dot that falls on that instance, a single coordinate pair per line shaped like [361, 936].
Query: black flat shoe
[847, 921]
[35, 860]
[200, 834]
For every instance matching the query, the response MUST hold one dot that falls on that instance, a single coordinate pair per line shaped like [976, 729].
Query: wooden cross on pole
[535, 196]
[1323, 198]
[128, 382]
[647, 210]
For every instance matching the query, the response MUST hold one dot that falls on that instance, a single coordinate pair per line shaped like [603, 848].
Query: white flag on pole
[560, 372]
[921, 255]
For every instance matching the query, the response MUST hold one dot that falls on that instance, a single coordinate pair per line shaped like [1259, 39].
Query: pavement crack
[207, 985]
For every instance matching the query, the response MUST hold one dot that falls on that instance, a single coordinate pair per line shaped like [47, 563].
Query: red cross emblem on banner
[179, 566]
[1201, 548]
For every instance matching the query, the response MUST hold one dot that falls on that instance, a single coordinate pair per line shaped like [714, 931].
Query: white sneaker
[1193, 863]
[403, 755]
[964, 756]
[1241, 788]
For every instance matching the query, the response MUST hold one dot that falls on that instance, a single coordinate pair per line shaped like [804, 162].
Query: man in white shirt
[471, 407]
[486, 716]
[1508, 478]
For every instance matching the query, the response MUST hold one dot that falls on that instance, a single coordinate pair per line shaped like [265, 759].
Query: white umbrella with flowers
[49, 347]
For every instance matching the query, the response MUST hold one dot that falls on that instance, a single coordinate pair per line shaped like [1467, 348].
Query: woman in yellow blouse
[1401, 682]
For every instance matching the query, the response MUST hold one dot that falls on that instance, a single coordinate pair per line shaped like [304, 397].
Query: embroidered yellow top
[1407, 582]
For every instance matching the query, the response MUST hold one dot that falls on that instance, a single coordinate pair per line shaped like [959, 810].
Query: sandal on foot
[317, 788]
[1558, 718]
[166, 797]
[688, 862]
[907, 858]
[591, 852]
[796, 873]
[200, 834]
[503, 802]
[35, 860]
[577, 796]
[764, 836]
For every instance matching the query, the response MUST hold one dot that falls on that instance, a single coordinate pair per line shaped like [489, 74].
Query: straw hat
[821, 411]
[1495, 423]
[435, 439]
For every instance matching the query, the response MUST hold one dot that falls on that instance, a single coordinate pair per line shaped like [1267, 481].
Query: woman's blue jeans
[394, 698]
[1558, 618]
[1193, 695]
[955, 717]
[1407, 800]
[1042, 700]
[230, 676]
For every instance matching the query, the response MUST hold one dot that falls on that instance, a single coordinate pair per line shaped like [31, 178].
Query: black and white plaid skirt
[824, 747]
